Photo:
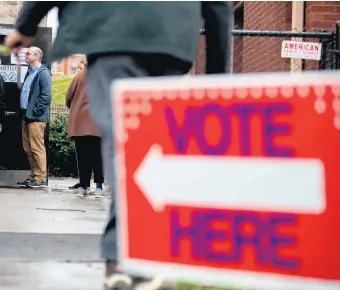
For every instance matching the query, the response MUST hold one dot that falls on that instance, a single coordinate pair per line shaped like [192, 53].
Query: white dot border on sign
[303, 91]
[184, 94]
[199, 94]
[256, 92]
[319, 91]
[141, 104]
[287, 91]
[157, 95]
[335, 90]
[271, 92]
[320, 105]
[337, 121]
[242, 93]
[214, 94]
[132, 108]
[132, 122]
[172, 95]
[336, 105]
[145, 108]
[227, 94]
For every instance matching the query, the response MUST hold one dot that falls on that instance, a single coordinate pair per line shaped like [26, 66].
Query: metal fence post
[337, 45]
[324, 51]
[230, 18]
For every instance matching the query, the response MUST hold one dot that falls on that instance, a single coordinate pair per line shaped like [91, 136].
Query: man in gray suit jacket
[128, 39]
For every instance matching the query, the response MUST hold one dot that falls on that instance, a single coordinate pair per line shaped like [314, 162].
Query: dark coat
[39, 99]
[170, 27]
[2, 88]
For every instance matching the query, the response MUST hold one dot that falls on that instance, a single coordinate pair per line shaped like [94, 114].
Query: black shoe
[24, 183]
[76, 186]
[36, 184]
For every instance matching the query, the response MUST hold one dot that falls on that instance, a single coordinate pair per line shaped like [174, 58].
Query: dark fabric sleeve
[45, 97]
[218, 17]
[2, 87]
[32, 12]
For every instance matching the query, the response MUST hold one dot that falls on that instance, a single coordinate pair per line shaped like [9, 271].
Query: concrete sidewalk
[65, 183]
[50, 240]
[51, 276]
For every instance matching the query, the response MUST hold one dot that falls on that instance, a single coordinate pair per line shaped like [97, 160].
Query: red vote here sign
[230, 180]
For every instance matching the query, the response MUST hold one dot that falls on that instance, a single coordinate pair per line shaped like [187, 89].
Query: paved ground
[50, 240]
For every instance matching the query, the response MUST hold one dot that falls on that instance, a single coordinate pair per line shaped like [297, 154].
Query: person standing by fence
[83, 131]
[35, 100]
[81, 66]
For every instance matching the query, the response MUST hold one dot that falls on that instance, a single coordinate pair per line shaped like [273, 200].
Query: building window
[73, 64]
[54, 67]
[59, 64]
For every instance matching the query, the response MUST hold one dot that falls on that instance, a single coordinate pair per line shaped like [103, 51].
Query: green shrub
[192, 286]
[61, 151]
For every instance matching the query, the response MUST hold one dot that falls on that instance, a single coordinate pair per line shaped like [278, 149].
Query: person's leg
[100, 74]
[77, 185]
[84, 164]
[27, 148]
[36, 132]
[97, 164]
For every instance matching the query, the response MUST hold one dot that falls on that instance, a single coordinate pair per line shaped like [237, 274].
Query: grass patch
[60, 85]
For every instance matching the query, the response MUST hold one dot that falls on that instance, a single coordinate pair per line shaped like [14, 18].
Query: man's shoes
[36, 184]
[24, 183]
[76, 186]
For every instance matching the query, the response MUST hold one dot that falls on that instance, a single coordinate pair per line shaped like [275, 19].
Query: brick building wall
[264, 53]
[67, 66]
[261, 54]
[9, 11]
[321, 15]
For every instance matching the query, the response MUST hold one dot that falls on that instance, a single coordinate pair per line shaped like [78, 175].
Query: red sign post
[231, 180]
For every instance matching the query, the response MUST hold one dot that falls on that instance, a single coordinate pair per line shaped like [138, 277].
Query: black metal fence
[260, 51]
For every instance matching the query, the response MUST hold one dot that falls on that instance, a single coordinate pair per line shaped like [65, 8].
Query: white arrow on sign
[295, 185]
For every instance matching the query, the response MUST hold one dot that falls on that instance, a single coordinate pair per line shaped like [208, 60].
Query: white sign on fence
[6, 30]
[301, 50]
[10, 73]
[21, 57]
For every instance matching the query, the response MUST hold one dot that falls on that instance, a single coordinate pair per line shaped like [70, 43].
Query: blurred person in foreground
[124, 40]
[83, 131]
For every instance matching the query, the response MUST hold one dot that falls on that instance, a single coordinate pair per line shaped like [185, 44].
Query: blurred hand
[15, 41]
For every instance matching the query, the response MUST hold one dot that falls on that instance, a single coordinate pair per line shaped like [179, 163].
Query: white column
[297, 25]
